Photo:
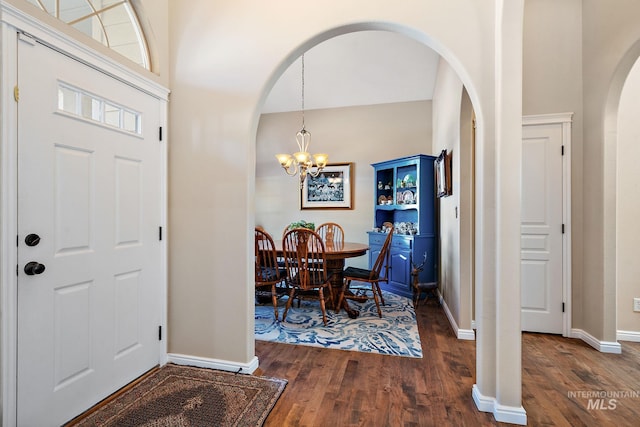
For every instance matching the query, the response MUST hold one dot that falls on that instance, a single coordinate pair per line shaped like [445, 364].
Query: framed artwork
[331, 189]
[443, 174]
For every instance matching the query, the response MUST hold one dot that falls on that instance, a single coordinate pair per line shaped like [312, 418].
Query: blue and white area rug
[396, 333]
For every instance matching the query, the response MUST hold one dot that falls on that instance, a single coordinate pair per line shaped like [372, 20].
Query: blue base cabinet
[405, 197]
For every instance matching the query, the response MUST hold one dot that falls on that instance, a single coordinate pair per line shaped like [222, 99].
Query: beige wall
[447, 99]
[628, 229]
[552, 83]
[362, 135]
[452, 127]
[578, 63]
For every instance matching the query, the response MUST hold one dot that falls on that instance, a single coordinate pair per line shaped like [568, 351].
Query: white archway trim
[564, 120]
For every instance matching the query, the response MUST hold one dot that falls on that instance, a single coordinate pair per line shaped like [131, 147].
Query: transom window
[78, 102]
[111, 22]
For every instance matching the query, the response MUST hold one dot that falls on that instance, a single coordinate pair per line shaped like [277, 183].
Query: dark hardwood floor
[344, 388]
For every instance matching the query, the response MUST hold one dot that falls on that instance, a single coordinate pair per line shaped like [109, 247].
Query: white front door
[541, 229]
[89, 188]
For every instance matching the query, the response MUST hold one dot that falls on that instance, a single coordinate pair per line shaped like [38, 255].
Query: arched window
[111, 22]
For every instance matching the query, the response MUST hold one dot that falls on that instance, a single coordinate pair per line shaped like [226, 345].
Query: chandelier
[301, 161]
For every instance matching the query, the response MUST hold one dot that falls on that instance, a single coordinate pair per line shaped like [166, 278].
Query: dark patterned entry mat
[177, 395]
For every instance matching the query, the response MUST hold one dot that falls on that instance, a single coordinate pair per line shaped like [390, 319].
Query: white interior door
[89, 186]
[541, 229]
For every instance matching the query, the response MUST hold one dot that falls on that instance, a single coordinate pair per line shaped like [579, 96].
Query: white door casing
[88, 324]
[545, 270]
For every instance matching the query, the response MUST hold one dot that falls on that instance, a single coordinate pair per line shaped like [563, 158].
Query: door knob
[33, 268]
[32, 239]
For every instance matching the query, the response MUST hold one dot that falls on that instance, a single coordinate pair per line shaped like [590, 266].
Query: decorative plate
[399, 197]
[407, 197]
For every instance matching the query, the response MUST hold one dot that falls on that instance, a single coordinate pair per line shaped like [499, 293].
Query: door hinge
[17, 269]
[562, 228]
[16, 93]
[563, 150]
[159, 233]
[160, 133]
[160, 332]
[563, 307]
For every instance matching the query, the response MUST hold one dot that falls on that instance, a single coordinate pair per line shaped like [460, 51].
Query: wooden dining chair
[267, 272]
[368, 279]
[305, 260]
[331, 233]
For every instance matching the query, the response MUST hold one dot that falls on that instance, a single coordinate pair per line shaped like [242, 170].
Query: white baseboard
[502, 413]
[221, 365]
[602, 346]
[461, 334]
[628, 336]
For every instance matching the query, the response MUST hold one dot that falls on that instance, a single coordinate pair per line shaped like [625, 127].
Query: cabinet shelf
[396, 207]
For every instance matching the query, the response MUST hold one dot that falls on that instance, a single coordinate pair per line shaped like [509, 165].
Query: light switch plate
[636, 304]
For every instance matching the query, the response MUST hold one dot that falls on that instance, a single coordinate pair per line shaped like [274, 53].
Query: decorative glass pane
[113, 23]
[112, 115]
[48, 5]
[72, 10]
[67, 100]
[92, 27]
[123, 34]
[90, 107]
[130, 121]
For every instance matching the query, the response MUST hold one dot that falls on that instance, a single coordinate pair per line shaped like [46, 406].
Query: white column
[499, 367]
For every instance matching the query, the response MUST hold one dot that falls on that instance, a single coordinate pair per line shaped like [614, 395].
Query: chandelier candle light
[301, 161]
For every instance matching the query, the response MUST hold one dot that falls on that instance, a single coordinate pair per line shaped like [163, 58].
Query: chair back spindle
[331, 234]
[305, 260]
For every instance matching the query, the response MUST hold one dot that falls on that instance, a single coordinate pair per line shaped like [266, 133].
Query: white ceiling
[361, 68]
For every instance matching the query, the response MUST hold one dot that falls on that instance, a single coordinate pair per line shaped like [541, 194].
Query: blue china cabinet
[405, 197]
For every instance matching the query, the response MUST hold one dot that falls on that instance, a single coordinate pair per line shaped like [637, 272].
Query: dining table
[336, 254]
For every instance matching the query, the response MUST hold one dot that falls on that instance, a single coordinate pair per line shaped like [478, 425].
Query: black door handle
[33, 268]
[32, 239]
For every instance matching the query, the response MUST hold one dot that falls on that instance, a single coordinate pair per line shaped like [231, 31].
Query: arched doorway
[484, 405]
[624, 177]
[367, 135]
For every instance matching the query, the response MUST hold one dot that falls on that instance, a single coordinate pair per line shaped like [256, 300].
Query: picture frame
[331, 189]
[443, 174]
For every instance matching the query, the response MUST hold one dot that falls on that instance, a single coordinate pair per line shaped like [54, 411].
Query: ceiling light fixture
[302, 161]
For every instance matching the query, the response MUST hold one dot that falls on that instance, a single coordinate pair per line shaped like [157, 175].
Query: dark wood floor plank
[343, 388]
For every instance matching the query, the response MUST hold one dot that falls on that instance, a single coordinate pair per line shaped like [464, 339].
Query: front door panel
[90, 188]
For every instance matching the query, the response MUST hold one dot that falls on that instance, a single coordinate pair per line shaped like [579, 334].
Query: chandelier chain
[301, 162]
[302, 91]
